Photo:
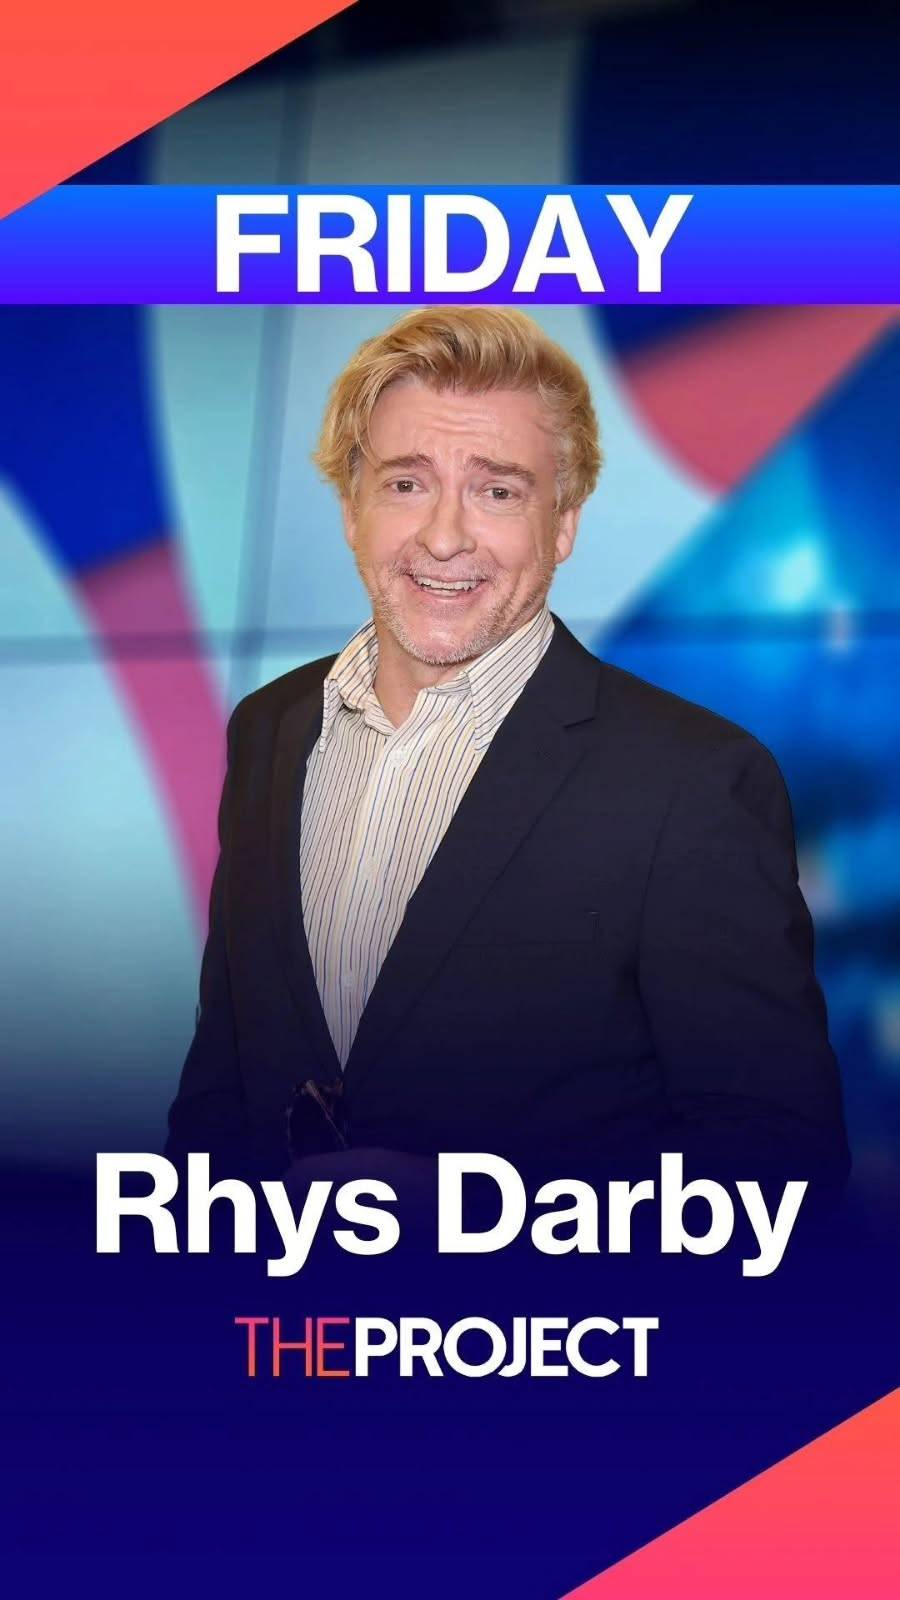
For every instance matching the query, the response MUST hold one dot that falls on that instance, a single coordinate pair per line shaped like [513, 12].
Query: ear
[566, 529]
[348, 517]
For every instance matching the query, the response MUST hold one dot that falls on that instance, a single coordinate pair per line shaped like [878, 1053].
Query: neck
[399, 677]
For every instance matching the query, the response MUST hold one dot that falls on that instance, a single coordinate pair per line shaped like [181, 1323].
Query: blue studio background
[166, 546]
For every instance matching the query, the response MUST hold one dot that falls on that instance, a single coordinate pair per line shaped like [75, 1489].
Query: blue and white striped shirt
[378, 800]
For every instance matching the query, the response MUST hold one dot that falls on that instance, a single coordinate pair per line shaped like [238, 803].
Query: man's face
[453, 523]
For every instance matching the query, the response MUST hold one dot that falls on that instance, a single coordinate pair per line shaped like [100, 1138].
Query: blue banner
[189, 245]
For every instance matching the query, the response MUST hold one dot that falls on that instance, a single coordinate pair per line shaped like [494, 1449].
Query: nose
[446, 533]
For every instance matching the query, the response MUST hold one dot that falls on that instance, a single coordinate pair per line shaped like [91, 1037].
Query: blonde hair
[472, 349]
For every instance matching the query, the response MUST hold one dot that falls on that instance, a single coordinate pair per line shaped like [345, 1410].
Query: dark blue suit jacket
[608, 951]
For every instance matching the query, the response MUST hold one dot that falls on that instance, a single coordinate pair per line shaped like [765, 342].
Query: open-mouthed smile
[444, 589]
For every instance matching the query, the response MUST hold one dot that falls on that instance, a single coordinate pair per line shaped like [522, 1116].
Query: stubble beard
[500, 620]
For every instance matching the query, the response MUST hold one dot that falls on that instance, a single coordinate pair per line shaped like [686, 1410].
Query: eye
[500, 492]
[403, 485]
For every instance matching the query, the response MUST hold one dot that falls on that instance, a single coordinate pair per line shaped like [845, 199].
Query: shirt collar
[498, 677]
[494, 680]
[351, 677]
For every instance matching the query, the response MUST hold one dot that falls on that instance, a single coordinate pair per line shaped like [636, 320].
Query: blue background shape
[135, 1457]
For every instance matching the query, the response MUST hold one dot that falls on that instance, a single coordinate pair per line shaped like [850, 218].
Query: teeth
[432, 583]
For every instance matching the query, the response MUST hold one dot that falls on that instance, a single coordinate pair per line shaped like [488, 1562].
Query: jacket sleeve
[208, 1112]
[727, 980]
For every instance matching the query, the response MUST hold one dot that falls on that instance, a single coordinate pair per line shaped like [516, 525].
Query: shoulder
[653, 732]
[268, 704]
[685, 754]
[655, 715]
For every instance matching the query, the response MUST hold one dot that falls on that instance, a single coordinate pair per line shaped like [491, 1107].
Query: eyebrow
[393, 463]
[503, 469]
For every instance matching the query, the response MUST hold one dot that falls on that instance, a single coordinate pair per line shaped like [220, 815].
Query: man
[478, 890]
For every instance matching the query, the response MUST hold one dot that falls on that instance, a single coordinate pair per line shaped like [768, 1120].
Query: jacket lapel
[297, 733]
[535, 749]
